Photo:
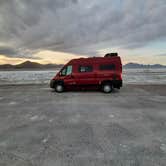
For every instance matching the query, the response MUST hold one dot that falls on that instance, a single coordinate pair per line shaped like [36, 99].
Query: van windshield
[66, 71]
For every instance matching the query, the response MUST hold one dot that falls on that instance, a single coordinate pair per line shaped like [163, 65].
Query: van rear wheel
[59, 88]
[107, 88]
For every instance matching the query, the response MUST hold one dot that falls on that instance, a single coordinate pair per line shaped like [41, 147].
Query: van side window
[107, 67]
[83, 69]
[66, 71]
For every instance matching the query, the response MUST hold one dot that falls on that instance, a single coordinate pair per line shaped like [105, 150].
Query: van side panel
[112, 74]
[85, 78]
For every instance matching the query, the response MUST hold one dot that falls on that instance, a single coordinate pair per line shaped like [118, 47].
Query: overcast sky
[62, 29]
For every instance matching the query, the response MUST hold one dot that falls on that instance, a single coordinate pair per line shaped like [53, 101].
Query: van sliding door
[85, 75]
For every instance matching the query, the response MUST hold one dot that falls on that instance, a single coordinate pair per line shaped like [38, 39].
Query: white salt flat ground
[130, 76]
[39, 127]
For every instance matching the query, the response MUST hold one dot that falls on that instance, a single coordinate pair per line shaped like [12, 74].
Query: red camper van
[104, 73]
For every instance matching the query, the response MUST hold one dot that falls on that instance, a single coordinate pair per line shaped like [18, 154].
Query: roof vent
[111, 54]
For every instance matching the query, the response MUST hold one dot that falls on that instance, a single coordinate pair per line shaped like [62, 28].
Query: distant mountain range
[28, 65]
[136, 65]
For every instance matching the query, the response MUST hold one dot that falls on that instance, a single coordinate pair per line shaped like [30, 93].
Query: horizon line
[65, 63]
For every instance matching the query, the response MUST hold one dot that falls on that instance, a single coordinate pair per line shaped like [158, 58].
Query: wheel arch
[106, 82]
[59, 82]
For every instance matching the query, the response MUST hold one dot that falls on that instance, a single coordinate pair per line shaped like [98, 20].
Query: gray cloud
[7, 51]
[19, 53]
[78, 26]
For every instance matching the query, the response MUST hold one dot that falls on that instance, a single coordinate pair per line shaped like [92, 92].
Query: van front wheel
[59, 88]
[107, 88]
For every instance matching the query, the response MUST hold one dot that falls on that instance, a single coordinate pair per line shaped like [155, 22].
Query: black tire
[59, 88]
[107, 88]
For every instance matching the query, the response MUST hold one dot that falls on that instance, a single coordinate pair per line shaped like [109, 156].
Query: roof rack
[111, 54]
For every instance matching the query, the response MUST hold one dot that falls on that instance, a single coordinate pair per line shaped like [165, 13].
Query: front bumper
[52, 84]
